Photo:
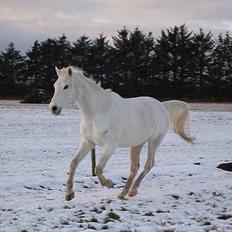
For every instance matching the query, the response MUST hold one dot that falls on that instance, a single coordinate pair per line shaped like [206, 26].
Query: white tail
[179, 117]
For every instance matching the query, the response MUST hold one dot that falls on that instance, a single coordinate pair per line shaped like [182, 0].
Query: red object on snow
[225, 166]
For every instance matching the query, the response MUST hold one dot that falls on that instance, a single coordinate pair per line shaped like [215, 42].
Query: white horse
[110, 121]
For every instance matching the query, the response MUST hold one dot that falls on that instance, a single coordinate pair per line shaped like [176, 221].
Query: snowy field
[184, 192]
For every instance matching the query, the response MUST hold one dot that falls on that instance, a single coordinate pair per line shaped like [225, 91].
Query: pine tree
[141, 50]
[64, 56]
[34, 65]
[1, 73]
[132, 61]
[221, 68]
[173, 55]
[81, 52]
[120, 71]
[12, 72]
[227, 84]
[202, 59]
[99, 60]
[217, 69]
[161, 80]
[41, 62]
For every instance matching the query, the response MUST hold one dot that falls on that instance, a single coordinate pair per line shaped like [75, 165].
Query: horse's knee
[98, 171]
[149, 166]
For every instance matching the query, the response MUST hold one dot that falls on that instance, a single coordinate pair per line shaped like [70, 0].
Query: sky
[24, 21]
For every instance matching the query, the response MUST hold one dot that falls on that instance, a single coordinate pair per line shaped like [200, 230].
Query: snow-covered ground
[177, 195]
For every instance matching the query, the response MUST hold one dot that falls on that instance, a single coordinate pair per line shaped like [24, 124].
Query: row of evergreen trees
[179, 64]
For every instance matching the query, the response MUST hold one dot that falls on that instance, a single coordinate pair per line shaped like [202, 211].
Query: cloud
[25, 21]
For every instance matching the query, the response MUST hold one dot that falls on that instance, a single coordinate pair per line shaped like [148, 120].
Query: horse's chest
[95, 130]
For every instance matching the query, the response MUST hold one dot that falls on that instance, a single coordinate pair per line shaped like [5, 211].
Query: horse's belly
[135, 136]
[132, 143]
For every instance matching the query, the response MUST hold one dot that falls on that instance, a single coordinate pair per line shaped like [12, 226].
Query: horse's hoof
[121, 196]
[109, 184]
[133, 193]
[69, 197]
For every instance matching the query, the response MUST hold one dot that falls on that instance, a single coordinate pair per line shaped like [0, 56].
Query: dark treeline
[179, 64]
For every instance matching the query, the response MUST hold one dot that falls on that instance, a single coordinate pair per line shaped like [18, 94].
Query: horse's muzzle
[55, 110]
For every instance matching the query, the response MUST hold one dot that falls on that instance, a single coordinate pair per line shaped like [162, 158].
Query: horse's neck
[92, 100]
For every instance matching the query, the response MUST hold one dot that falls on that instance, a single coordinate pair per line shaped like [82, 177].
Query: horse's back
[146, 107]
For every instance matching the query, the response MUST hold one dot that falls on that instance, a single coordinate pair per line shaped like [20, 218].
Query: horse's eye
[66, 86]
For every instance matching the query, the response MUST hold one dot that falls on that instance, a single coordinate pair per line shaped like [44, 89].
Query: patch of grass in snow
[215, 205]
[199, 201]
[205, 223]
[210, 228]
[217, 194]
[162, 211]
[149, 214]
[168, 230]
[93, 219]
[124, 178]
[224, 216]
[91, 227]
[103, 207]
[191, 193]
[6, 209]
[80, 220]
[174, 206]
[50, 209]
[64, 222]
[105, 227]
[111, 216]
[176, 197]
[123, 209]
[41, 219]
[96, 210]
[106, 201]
[67, 207]
[80, 213]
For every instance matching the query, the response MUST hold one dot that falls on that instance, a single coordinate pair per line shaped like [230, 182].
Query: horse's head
[64, 91]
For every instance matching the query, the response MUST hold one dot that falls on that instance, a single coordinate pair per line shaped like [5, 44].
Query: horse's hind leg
[84, 149]
[152, 146]
[106, 154]
[134, 156]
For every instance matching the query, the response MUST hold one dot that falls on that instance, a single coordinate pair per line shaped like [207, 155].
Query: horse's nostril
[54, 108]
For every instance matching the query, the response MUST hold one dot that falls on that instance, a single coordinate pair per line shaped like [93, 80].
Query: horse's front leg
[106, 154]
[85, 148]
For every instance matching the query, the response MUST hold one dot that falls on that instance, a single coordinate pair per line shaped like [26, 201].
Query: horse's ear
[57, 70]
[69, 71]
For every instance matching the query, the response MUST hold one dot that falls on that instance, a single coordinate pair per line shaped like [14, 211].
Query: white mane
[90, 79]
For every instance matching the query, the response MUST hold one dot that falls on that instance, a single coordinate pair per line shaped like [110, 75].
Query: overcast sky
[24, 21]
